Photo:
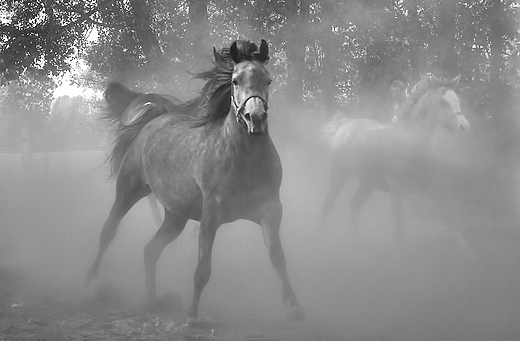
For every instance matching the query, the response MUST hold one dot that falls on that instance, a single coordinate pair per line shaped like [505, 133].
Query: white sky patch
[92, 35]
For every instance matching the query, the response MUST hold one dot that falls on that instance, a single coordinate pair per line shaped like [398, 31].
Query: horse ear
[235, 53]
[264, 51]
[216, 55]
[456, 81]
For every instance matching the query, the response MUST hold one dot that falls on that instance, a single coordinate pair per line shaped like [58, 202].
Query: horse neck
[423, 118]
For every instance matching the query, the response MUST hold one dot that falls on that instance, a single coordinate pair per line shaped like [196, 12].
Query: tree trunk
[198, 32]
[145, 34]
[499, 92]
[296, 14]
[417, 56]
[449, 60]
[327, 78]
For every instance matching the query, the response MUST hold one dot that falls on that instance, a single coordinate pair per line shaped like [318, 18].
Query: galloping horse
[209, 159]
[392, 158]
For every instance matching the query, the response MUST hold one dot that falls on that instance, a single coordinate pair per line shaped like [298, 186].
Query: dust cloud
[436, 283]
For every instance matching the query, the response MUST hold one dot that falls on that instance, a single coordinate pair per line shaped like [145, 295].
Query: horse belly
[169, 172]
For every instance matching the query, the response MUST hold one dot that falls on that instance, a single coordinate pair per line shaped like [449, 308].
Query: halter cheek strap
[239, 111]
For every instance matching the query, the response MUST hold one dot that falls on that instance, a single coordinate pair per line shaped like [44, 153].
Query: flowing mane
[211, 106]
[214, 101]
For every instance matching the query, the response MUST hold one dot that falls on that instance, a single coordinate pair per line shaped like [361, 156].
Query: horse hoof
[296, 313]
[198, 322]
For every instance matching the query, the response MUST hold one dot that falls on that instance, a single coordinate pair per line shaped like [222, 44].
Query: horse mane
[211, 106]
[421, 87]
[214, 101]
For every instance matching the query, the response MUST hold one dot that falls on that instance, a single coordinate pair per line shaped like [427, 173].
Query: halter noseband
[239, 111]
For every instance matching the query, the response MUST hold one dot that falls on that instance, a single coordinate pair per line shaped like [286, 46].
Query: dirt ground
[45, 251]
[39, 318]
[353, 285]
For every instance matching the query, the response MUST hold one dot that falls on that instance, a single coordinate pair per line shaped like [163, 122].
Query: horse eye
[269, 82]
[235, 82]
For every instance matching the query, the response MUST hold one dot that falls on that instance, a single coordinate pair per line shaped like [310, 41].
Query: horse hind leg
[358, 201]
[338, 179]
[129, 191]
[170, 229]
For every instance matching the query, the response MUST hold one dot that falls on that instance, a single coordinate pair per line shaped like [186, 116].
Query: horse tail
[119, 100]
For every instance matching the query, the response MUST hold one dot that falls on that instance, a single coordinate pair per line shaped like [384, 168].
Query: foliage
[74, 119]
[327, 54]
[42, 35]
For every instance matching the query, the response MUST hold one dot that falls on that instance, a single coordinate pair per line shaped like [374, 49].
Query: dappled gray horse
[210, 159]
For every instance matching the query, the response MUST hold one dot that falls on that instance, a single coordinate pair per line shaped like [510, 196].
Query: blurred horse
[394, 158]
[209, 159]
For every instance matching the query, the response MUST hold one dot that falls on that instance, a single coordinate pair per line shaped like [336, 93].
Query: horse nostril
[264, 116]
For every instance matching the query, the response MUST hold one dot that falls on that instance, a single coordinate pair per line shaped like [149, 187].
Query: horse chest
[243, 180]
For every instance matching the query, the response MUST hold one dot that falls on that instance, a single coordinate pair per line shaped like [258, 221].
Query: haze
[434, 284]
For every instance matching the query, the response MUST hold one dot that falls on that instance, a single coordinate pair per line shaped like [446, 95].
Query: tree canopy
[327, 54]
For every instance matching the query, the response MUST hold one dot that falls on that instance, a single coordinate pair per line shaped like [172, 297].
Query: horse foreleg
[271, 232]
[337, 180]
[360, 198]
[171, 228]
[208, 229]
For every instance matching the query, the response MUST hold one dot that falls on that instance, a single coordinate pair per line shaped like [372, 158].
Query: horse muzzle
[252, 115]
[256, 122]
[462, 123]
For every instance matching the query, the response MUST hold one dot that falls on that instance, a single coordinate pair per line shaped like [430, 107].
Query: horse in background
[209, 159]
[396, 158]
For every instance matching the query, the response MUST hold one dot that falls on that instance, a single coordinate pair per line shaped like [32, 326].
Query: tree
[325, 53]
[25, 104]
[43, 35]
[296, 17]
[74, 121]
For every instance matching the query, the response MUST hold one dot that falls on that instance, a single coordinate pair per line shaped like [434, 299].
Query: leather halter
[239, 110]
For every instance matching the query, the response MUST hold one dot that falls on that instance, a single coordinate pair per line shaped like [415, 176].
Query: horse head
[250, 85]
[437, 104]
